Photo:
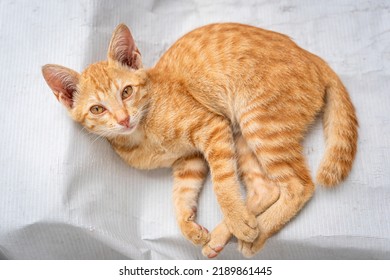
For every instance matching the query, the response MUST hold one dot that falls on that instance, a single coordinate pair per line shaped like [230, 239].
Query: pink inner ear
[123, 49]
[66, 100]
[62, 90]
[136, 61]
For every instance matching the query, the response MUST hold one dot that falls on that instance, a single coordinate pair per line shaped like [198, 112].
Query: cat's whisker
[101, 135]
[83, 130]
[96, 138]
[86, 131]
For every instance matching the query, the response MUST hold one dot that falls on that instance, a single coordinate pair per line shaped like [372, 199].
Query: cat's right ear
[122, 48]
[63, 82]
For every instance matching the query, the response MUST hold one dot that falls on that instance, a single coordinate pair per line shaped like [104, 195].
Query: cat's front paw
[219, 238]
[194, 232]
[242, 225]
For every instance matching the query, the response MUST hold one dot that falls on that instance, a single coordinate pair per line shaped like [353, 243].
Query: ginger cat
[231, 98]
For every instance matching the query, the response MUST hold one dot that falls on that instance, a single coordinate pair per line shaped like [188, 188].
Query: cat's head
[108, 98]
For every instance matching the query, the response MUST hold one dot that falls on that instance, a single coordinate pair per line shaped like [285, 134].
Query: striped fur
[229, 97]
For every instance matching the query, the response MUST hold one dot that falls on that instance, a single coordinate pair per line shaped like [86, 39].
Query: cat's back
[218, 62]
[226, 47]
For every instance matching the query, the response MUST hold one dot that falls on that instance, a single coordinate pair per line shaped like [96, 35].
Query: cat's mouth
[128, 130]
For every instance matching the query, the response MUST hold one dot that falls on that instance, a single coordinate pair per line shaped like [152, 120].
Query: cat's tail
[340, 129]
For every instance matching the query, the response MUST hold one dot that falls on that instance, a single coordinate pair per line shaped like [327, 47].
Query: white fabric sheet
[66, 195]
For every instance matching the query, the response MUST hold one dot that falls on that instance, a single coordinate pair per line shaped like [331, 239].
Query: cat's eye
[97, 109]
[127, 92]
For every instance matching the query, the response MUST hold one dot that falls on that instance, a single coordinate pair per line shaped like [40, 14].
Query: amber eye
[97, 109]
[127, 92]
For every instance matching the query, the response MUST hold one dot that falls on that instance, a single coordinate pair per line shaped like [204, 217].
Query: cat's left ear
[122, 48]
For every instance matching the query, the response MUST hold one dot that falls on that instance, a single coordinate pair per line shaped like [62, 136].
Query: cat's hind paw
[242, 225]
[248, 250]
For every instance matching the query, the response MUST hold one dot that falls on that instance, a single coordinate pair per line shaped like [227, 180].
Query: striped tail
[340, 127]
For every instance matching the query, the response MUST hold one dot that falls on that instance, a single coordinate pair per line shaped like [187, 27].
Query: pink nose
[125, 122]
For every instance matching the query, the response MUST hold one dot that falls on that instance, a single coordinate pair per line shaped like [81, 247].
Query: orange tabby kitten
[231, 97]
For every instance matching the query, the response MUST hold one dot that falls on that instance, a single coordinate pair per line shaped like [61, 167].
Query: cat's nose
[125, 122]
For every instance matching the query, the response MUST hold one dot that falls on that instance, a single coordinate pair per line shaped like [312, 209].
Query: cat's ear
[62, 81]
[122, 48]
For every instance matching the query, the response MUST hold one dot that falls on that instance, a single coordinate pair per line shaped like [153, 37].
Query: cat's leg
[261, 194]
[189, 174]
[283, 163]
[275, 140]
[217, 144]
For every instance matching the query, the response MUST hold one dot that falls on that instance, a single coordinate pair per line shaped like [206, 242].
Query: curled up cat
[232, 99]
